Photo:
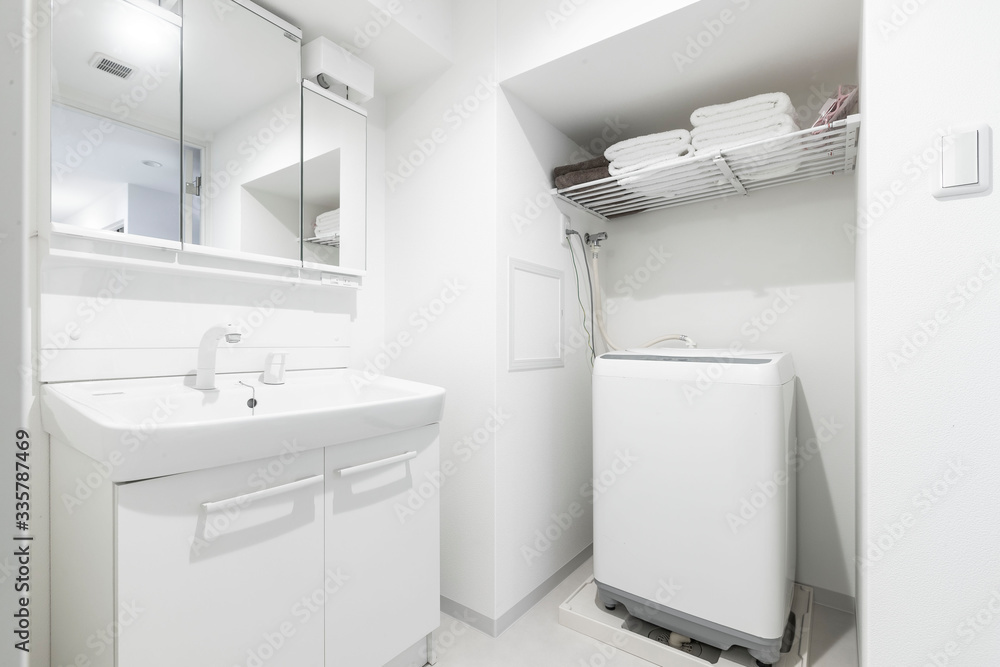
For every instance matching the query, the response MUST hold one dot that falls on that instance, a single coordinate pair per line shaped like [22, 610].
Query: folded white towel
[773, 172]
[768, 102]
[329, 216]
[755, 119]
[638, 145]
[727, 137]
[668, 192]
[653, 158]
[676, 184]
[652, 151]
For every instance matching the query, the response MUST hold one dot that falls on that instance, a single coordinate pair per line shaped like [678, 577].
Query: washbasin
[142, 428]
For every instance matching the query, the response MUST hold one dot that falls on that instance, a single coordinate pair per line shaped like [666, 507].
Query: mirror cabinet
[235, 155]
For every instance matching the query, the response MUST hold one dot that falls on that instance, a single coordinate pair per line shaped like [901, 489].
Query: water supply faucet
[207, 353]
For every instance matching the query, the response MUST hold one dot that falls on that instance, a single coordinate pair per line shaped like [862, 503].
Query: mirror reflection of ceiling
[114, 159]
[140, 38]
[235, 62]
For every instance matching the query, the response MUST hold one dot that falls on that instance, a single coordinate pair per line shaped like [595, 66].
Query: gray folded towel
[581, 176]
[593, 163]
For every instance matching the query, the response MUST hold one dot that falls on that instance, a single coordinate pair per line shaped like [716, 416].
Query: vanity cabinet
[219, 562]
[382, 532]
[323, 556]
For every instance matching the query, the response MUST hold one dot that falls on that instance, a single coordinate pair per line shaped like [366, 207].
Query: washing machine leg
[766, 658]
[602, 598]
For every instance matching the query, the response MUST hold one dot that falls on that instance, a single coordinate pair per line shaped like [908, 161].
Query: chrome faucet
[207, 352]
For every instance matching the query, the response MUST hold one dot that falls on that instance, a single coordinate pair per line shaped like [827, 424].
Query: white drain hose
[599, 311]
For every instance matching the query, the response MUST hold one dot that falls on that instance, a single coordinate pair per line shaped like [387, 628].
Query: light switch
[960, 159]
[965, 164]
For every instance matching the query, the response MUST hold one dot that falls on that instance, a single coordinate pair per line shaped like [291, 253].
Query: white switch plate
[960, 159]
[964, 166]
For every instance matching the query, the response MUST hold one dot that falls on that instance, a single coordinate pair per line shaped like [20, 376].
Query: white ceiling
[129, 34]
[772, 45]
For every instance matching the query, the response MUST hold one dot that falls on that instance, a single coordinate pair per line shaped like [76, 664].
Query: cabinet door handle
[354, 470]
[266, 493]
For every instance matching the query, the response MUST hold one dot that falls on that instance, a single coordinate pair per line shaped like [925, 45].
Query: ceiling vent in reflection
[114, 67]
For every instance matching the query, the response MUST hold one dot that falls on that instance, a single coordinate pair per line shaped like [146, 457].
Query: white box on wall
[341, 70]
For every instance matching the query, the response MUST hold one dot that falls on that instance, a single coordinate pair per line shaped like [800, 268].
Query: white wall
[544, 456]
[454, 219]
[929, 564]
[441, 320]
[429, 20]
[734, 265]
[103, 212]
[153, 213]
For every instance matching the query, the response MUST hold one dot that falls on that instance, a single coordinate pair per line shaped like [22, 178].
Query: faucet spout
[207, 350]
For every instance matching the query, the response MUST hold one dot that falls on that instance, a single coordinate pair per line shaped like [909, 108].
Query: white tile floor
[537, 639]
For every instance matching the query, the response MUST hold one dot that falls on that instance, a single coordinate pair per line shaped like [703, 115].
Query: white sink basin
[162, 426]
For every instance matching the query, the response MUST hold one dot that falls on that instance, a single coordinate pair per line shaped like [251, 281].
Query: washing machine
[694, 492]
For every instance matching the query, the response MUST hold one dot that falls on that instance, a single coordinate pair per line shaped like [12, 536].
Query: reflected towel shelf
[740, 170]
[332, 241]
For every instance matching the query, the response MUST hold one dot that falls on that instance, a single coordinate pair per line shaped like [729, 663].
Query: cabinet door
[383, 543]
[223, 567]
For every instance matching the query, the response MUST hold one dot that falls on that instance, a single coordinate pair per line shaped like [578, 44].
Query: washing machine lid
[680, 365]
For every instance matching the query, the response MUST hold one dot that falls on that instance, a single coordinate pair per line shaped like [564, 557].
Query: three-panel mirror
[236, 156]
